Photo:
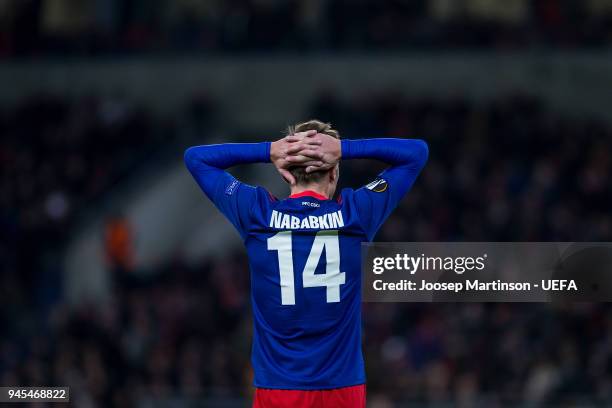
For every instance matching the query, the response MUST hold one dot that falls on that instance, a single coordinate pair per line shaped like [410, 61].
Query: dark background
[99, 98]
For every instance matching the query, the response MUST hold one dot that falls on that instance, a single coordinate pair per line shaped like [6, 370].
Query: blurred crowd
[183, 337]
[57, 158]
[94, 27]
[58, 153]
[506, 169]
[170, 340]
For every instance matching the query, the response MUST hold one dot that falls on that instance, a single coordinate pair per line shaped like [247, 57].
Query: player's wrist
[268, 148]
[345, 149]
[339, 151]
[274, 151]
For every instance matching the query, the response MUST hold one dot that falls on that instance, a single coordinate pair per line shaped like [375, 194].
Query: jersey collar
[309, 193]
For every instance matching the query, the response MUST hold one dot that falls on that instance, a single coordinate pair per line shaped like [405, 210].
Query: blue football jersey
[305, 265]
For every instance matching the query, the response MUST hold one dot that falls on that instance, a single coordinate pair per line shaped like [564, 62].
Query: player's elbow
[190, 157]
[421, 152]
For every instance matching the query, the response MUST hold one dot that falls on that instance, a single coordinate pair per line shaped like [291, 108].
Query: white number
[281, 242]
[331, 279]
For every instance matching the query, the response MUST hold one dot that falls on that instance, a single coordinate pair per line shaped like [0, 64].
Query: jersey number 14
[331, 279]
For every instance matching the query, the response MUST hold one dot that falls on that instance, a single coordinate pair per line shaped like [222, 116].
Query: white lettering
[285, 224]
[295, 222]
[333, 220]
[323, 221]
[304, 224]
[337, 219]
[275, 219]
[314, 221]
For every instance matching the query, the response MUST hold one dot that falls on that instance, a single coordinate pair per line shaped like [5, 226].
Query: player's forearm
[396, 152]
[223, 156]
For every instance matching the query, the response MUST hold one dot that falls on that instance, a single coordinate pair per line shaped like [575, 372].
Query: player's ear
[334, 173]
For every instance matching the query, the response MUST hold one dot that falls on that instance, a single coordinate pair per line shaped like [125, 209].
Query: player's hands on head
[322, 151]
[282, 160]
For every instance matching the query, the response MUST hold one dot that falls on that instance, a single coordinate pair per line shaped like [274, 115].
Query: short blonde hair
[299, 172]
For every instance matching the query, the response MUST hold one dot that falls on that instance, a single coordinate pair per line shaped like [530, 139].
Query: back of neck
[315, 188]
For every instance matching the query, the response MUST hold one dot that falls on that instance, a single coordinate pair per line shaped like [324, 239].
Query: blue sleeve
[376, 200]
[233, 198]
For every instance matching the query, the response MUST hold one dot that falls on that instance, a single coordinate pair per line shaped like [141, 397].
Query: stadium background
[120, 280]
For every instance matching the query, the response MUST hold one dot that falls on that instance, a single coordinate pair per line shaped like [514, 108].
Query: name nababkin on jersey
[281, 220]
